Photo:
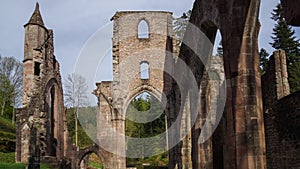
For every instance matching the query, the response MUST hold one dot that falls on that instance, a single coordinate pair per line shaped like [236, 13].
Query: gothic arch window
[143, 30]
[144, 70]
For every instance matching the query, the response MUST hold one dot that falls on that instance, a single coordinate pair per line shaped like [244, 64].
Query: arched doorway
[90, 160]
[145, 117]
[52, 111]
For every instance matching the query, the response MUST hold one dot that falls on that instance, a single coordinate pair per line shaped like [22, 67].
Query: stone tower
[41, 123]
[35, 37]
[139, 65]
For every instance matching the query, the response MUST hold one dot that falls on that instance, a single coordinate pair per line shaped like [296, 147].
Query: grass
[20, 166]
[7, 135]
[7, 157]
[95, 165]
[12, 165]
[6, 125]
[45, 166]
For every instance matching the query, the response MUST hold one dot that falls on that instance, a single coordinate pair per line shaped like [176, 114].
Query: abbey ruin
[257, 130]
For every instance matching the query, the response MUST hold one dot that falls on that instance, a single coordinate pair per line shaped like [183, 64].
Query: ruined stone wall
[41, 123]
[282, 123]
[244, 142]
[129, 52]
[281, 115]
[275, 80]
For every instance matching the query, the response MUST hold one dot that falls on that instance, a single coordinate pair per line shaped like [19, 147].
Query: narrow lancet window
[144, 70]
[143, 30]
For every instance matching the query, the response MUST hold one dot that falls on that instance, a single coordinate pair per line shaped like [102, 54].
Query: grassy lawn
[20, 166]
[12, 166]
[7, 136]
[7, 161]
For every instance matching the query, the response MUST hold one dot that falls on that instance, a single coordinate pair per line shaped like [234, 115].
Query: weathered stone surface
[275, 80]
[129, 51]
[281, 115]
[239, 139]
[41, 122]
[243, 129]
[291, 11]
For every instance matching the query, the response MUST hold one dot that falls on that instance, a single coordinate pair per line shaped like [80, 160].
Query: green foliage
[7, 161]
[95, 165]
[7, 157]
[6, 126]
[148, 109]
[87, 117]
[45, 166]
[158, 161]
[7, 145]
[263, 60]
[12, 165]
[7, 136]
[11, 73]
[6, 91]
[284, 39]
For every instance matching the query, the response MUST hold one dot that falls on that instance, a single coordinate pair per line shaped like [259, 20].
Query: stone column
[245, 140]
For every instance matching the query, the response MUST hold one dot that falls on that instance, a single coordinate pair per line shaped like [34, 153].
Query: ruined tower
[41, 123]
[35, 37]
[139, 57]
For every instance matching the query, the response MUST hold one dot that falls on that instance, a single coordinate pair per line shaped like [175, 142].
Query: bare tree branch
[76, 96]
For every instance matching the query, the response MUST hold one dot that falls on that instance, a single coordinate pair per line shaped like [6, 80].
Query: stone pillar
[245, 139]
[275, 80]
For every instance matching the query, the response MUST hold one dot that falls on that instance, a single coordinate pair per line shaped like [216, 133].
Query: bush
[7, 157]
[7, 146]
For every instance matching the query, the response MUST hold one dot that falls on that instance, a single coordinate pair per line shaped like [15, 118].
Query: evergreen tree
[263, 60]
[284, 39]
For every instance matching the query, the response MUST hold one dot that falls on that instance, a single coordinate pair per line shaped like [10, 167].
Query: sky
[77, 22]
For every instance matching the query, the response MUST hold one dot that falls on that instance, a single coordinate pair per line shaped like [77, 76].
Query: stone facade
[41, 124]
[129, 52]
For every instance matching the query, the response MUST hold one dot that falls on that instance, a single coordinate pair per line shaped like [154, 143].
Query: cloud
[74, 21]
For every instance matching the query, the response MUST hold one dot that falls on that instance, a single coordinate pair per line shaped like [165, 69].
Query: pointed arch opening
[91, 160]
[146, 118]
[143, 29]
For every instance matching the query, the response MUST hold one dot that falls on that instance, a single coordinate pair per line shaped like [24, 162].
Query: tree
[263, 60]
[180, 25]
[75, 96]
[284, 39]
[145, 103]
[11, 73]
